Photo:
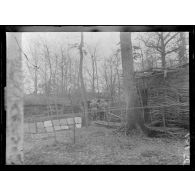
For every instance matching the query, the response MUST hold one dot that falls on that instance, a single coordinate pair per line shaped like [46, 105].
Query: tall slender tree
[83, 90]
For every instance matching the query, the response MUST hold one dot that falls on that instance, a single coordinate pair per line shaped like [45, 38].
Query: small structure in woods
[165, 95]
[40, 105]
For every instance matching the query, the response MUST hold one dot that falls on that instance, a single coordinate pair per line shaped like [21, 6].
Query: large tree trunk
[14, 99]
[134, 116]
[83, 90]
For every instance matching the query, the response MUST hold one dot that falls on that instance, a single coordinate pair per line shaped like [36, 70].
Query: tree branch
[89, 72]
[168, 52]
[158, 42]
[172, 37]
[151, 45]
[167, 35]
[28, 61]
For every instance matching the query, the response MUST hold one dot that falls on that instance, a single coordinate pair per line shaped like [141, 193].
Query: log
[110, 125]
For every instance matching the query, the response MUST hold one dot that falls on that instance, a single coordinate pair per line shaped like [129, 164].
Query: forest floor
[99, 145]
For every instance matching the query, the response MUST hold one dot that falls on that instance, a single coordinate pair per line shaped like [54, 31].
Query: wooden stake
[74, 132]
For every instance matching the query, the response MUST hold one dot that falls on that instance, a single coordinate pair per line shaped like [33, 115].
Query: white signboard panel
[47, 123]
[77, 120]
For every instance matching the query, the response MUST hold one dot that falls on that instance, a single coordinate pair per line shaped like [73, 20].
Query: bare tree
[92, 50]
[51, 61]
[32, 62]
[93, 59]
[110, 77]
[83, 90]
[134, 116]
[117, 62]
[35, 61]
[65, 74]
[162, 43]
[48, 60]
[62, 71]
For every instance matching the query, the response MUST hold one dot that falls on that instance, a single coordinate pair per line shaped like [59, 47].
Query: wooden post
[56, 106]
[164, 122]
[74, 132]
[55, 138]
[108, 114]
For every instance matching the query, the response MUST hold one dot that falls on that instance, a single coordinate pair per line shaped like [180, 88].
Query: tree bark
[134, 116]
[35, 83]
[83, 90]
[182, 51]
[62, 73]
[97, 78]
[118, 77]
[163, 54]
[50, 69]
[93, 73]
[14, 98]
